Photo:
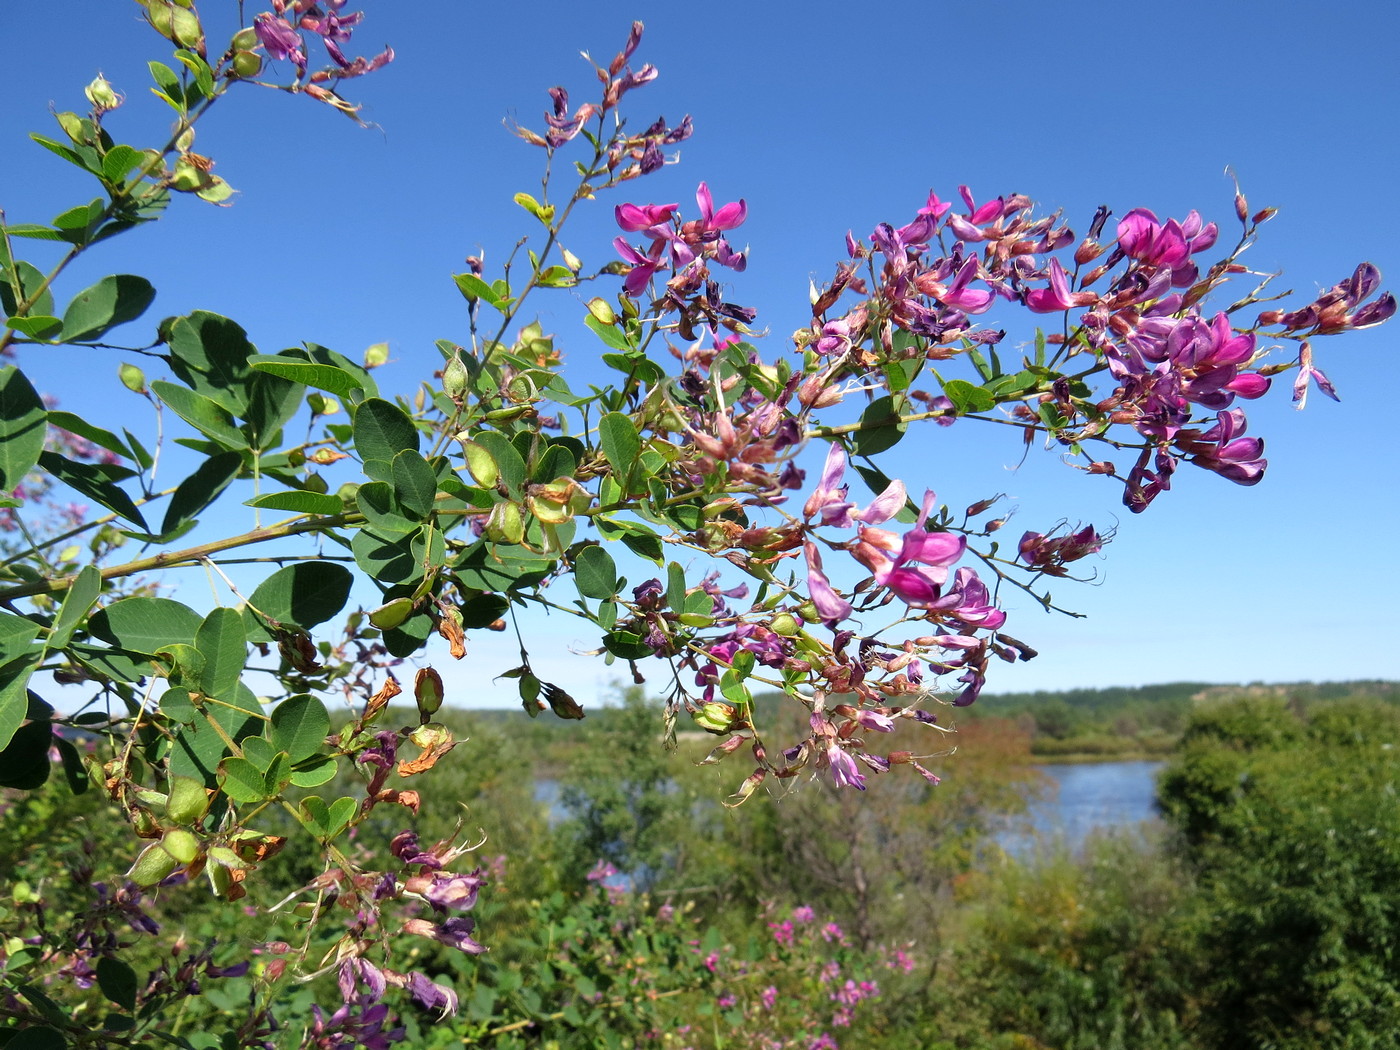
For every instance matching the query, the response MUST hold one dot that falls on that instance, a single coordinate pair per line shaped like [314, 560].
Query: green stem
[295, 527]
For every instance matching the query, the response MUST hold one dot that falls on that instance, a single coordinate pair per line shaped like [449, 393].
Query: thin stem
[294, 527]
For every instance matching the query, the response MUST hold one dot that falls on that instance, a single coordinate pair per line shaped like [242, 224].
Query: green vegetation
[1096, 725]
[1264, 917]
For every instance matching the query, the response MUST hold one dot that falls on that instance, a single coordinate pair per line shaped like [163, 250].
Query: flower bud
[1088, 251]
[102, 95]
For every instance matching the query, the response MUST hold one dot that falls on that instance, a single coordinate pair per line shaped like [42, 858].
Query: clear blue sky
[828, 117]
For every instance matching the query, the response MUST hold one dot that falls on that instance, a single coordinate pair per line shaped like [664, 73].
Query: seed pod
[152, 865]
[481, 465]
[181, 844]
[188, 800]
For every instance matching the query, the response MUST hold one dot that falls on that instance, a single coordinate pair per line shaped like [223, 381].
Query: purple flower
[1306, 371]
[431, 995]
[843, 769]
[446, 890]
[957, 295]
[279, 39]
[1058, 296]
[455, 933]
[915, 566]
[644, 267]
[830, 605]
[602, 871]
[829, 499]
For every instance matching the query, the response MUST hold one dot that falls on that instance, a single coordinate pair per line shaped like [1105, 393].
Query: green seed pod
[152, 865]
[481, 465]
[714, 717]
[785, 624]
[73, 127]
[181, 844]
[246, 64]
[245, 39]
[506, 523]
[455, 378]
[178, 24]
[132, 378]
[188, 800]
[102, 95]
[391, 614]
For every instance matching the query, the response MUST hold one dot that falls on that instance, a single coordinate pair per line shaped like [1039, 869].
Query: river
[1083, 799]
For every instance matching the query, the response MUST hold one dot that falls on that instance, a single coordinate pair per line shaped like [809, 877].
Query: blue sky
[826, 117]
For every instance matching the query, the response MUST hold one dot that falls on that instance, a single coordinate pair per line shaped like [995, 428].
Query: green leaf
[241, 780]
[30, 280]
[24, 761]
[117, 981]
[36, 1038]
[377, 502]
[32, 231]
[119, 161]
[199, 747]
[621, 444]
[315, 772]
[272, 402]
[299, 726]
[146, 625]
[388, 559]
[882, 427]
[303, 594]
[675, 586]
[210, 355]
[202, 413]
[968, 398]
[609, 334]
[201, 489]
[81, 595]
[36, 326]
[299, 502]
[483, 610]
[328, 821]
[330, 378]
[415, 483]
[381, 431]
[473, 288]
[114, 300]
[223, 642]
[78, 425]
[166, 80]
[595, 572]
[95, 481]
[74, 771]
[278, 775]
[22, 427]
